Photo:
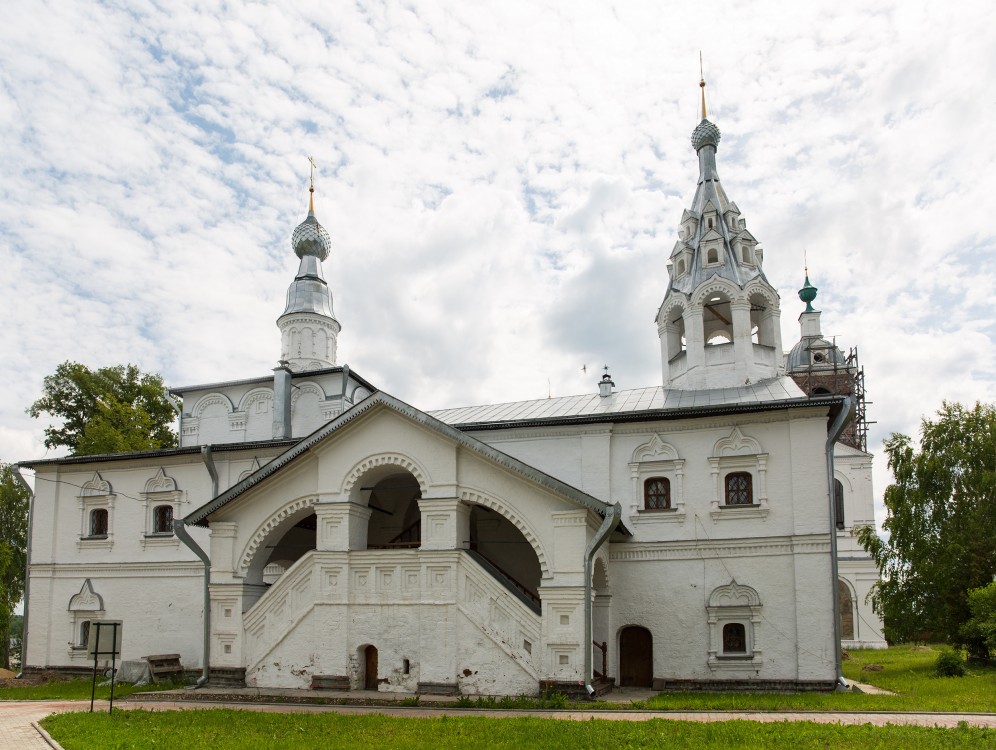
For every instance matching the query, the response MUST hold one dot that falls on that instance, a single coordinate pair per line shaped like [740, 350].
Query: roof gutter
[844, 417]
[611, 521]
[27, 570]
[179, 528]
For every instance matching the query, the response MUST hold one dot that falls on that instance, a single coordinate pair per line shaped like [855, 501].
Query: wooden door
[636, 657]
[370, 668]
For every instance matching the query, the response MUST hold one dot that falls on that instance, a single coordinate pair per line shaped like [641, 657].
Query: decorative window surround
[160, 490]
[656, 458]
[96, 494]
[729, 604]
[86, 606]
[738, 452]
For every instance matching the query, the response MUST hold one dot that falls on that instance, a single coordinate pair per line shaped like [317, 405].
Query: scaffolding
[829, 373]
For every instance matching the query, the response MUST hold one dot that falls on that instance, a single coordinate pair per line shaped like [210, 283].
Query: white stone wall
[150, 581]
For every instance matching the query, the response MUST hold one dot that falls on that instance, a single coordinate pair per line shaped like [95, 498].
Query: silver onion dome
[311, 238]
[705, 134]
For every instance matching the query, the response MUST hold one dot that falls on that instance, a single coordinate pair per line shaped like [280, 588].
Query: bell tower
[719, 323]
[308, 328]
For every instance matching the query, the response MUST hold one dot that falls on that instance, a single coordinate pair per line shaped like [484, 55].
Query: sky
[503, 183]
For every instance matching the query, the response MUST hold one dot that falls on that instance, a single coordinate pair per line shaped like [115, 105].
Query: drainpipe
[179, 528]
[608, 526]
[845, 416]
[27, 570]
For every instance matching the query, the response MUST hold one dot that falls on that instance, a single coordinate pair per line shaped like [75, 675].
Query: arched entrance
[636, 657]
[370, 668]
[508, 554]
[395, 521]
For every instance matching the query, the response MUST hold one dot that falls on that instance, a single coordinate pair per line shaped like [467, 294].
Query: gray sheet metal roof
[159, 453]
[380, 398]
[649, 403]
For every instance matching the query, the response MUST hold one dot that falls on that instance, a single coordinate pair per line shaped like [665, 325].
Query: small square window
[565, 620]
[563, 659]
[734, 638]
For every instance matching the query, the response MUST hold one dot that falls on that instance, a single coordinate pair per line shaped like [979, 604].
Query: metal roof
[385, 400]
[650, 403]
[159, 453]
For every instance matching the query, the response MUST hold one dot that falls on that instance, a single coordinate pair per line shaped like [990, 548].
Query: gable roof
[381, 399]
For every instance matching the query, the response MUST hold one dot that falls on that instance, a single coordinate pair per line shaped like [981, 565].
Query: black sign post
[104, 640]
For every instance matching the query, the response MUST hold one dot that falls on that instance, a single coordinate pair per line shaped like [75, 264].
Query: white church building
[314, 531]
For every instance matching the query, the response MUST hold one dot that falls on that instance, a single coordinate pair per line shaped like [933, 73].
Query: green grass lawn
[221, 730]
[907, 671]
[76, 689]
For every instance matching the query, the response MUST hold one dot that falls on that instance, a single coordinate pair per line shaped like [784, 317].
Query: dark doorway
[636, 657]
[370, 668]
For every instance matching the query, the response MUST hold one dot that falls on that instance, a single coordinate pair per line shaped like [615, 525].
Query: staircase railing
[408, 538]
[517, 588]
[604, 648]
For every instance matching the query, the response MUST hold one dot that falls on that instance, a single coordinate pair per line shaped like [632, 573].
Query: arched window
[739, 488]
[681, 268]
[712, 255]
[734, 638]
[162, 519]
[657, 494]
[84, 633]
[838, 503]
[746, 255]
[98, 522]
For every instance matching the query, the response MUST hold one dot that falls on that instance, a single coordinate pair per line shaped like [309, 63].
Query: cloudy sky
[503, 183]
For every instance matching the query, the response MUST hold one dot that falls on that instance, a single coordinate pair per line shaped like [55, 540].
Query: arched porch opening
[717, 320]
[395, 519]
[289, 539]
[499, 542]
[600, 617]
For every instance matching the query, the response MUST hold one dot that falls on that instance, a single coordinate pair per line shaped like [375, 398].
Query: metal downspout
[608, 526]
[179, 528]
[846, 414]
[27, 570]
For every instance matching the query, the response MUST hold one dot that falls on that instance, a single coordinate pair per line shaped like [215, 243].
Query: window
[739, 488]
[734, 638]
[98, 522]
[162, 519]
[657, 494]
[746, 255]
[84, 634]
[712, 255]
[838, 503]
[681, 268]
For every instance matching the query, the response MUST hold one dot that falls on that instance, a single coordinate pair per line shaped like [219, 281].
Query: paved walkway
[19, 733]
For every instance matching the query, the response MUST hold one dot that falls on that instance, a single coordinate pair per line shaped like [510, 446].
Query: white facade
[357, 542]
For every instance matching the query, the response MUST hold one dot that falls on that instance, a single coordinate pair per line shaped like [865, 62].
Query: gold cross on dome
[311, 159]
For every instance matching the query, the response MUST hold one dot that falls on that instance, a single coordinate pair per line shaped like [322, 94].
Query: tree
[979, 633]
[941, 519]
[13, 544]
[108, 410]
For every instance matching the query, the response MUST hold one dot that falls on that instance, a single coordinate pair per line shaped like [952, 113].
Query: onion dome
[310, 237]
[807, 294]
[705, 134]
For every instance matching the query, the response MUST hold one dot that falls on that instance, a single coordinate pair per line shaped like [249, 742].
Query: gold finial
[702, 85]
[311, 199]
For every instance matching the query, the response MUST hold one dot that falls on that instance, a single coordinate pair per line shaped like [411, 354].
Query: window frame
[92, 516]
[838, 505]
[734, 476]
[665, 484]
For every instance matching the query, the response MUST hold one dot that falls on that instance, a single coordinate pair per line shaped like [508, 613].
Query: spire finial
[311, 189]
[702, 84]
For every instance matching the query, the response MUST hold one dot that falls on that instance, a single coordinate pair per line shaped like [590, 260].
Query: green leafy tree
[941, 520]
[13, 543]
[108, 410]
[979, 633]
